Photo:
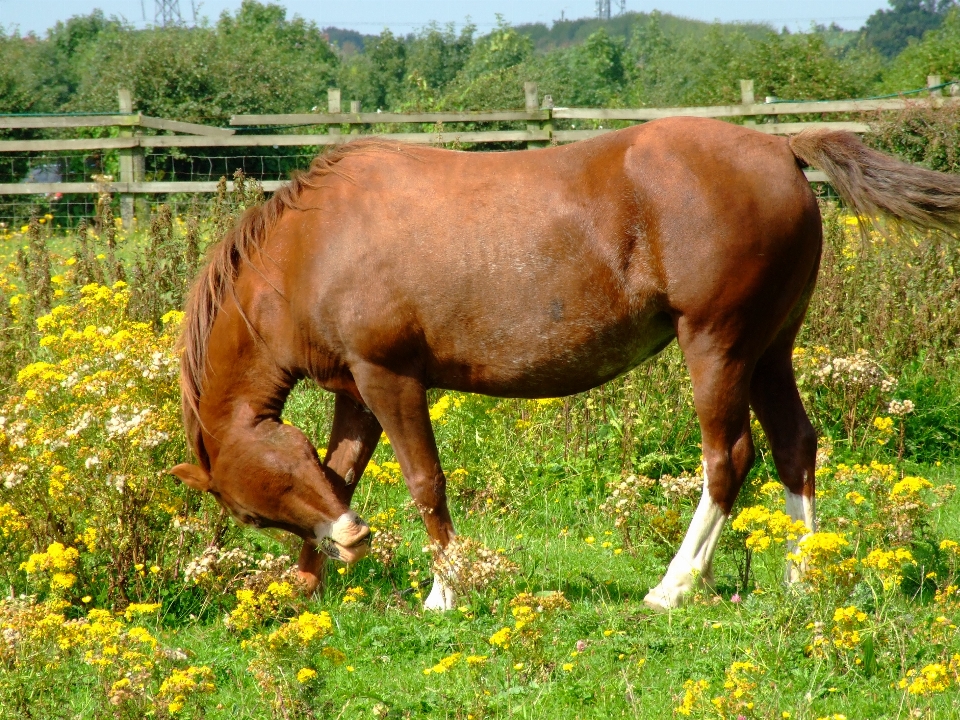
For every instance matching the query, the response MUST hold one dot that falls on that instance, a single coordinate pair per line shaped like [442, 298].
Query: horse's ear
[193, 475]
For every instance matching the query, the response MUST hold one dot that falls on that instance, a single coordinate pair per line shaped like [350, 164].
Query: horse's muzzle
[349, 539]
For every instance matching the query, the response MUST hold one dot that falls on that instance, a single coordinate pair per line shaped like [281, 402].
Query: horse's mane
[224, 261]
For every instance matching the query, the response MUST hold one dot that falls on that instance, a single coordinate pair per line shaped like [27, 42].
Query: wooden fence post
[532, 97]
[334, 108]
[746, 98]
[131, 161]
[354, 110]
[547, 124]
[932, 82]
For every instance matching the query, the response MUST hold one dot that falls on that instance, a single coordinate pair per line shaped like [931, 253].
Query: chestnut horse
[389, 269]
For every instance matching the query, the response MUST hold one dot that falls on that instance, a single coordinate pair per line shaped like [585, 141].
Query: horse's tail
[874, 184]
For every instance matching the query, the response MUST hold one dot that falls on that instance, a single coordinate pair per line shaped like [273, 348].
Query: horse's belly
[555, 361]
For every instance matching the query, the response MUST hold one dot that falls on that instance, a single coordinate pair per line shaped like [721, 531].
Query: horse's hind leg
[720, 388]
[400, 403]
[793, 441]
[353, 438]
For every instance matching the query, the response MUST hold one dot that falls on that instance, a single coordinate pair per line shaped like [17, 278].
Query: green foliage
[270, 63]
[590, 74]
[67, 42]
[921, 134]
[567, 33]
[503, 48]
[376, 77]
[22, 86]
[801, 67]
[937, 54]
[255, 61]
[435, 55]
[890, 31]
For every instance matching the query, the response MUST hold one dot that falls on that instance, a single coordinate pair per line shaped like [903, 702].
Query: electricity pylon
[167, 12]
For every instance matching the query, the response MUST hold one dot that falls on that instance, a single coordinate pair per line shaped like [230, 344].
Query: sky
[403, 16]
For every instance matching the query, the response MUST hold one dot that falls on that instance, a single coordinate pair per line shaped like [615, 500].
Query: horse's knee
[726, 468]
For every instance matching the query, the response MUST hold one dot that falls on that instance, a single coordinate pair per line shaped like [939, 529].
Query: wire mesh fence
[169, 164]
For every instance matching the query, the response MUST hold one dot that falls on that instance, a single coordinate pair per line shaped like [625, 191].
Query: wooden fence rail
[539, 118]
[55, 122]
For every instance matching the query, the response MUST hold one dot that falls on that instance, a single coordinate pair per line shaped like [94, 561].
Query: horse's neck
[245, 383]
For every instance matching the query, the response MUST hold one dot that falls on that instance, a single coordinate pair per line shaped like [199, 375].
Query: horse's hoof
[441, 597]
[309, 582]
[662, 600]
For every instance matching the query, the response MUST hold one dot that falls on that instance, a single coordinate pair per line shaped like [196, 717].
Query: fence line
[114, 188]
[562, 113]
[539, 117]
[194, 141]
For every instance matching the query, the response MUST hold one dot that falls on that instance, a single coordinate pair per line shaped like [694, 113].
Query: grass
[634, 662]
[388, 640]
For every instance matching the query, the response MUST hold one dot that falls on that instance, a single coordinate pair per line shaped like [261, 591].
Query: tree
[389, 58]
[257, 60]
[937, 54]
[436, 55]
[22, 86]
[889, 31]
[65, 45]
[503, 48]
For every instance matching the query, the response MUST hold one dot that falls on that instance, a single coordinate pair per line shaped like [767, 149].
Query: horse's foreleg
[312, 569]
[720, 395]
[400, 403]
[353, 438]
[793, 441]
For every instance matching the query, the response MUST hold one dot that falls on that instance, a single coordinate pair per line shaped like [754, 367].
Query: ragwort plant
[87, 432]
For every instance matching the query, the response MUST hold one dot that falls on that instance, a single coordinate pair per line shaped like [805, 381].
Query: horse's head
[270, 476]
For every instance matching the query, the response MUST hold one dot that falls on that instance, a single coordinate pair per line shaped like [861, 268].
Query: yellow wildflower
[693, 691]
[501, 638]
[909, 486]
[446, 663]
